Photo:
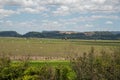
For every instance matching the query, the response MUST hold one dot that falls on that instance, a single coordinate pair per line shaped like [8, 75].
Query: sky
[59, 15]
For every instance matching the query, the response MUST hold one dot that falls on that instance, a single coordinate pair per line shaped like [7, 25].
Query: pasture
[55, 49]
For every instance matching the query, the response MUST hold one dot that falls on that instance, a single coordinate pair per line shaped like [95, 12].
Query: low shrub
[92, 67]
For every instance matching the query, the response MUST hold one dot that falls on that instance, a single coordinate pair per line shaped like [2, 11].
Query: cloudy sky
[63, 15]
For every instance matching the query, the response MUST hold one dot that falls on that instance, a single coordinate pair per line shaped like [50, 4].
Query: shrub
[92, 67]
[61, 73]
[29, 77]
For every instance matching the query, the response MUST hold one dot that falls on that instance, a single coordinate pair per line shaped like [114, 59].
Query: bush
[62, 73]
[92, 67]
[8, 71]
[28, 77]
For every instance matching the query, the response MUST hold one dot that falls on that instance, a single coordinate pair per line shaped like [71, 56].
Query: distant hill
[115, 32]
[33, 34]
[101, 35]
[9, 34]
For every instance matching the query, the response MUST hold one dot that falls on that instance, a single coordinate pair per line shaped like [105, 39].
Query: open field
[41, 49]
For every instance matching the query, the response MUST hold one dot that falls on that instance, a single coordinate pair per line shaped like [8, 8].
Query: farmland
[39, 48]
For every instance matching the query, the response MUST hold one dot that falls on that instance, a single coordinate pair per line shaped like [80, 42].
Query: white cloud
[35, 25]
[29, 10]
[105, 17]
[5, 13]
[62, 10]
[109, 22]
[7, 23]
[23, 3]
[93, 6]
[46, 24]
[92, 18]
[89, 25]
[32, 10]
[63, 7]
[99, 1]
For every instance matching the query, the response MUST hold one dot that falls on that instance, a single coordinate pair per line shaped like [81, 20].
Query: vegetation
[9, 34]
[56, 59]
[85, 67]
[97, 35]
[103, 67]
[57, 49]
[23, 71]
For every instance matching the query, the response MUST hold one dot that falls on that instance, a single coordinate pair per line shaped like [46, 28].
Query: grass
[51, 47]
[49, 63]
[53, 63]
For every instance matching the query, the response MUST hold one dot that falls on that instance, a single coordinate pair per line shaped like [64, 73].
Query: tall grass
[103, 67]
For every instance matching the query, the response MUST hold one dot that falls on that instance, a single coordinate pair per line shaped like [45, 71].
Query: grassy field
[56, 48]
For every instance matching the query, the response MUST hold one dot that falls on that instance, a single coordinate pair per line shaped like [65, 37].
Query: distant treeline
[103, 35]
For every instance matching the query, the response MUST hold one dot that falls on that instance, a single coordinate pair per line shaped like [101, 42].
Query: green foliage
[28, 77]
[62, 73]
[46, 73]
[23, 71]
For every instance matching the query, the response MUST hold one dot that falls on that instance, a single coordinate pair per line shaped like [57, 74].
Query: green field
[56, 48]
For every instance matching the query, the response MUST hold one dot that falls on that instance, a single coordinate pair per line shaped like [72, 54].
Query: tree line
[97, 35]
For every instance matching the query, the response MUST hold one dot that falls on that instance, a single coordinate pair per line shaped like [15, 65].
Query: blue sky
[62, 15]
